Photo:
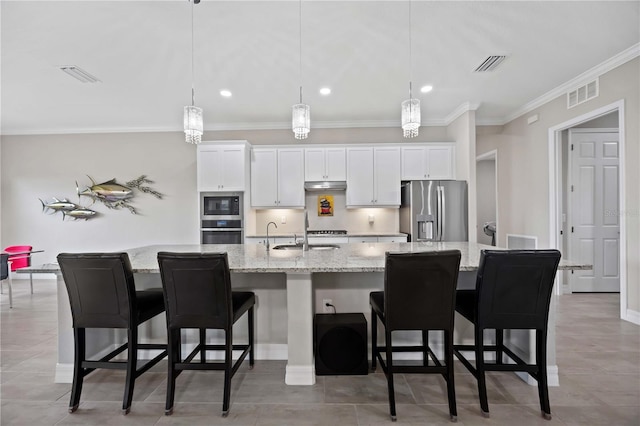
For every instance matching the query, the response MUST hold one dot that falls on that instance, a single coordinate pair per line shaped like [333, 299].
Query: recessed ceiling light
[426, 89]
[225, 93]
[325, 91]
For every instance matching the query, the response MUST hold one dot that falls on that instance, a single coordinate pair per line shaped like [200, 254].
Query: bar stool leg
[451, 389]
[541, 361]
[132, 362]
[425, 343]
[374, 340]
[392, 395]
[482, 384]
[228, 361]
[173, 353]
[251, 337]
[78, 371]
[31, 282]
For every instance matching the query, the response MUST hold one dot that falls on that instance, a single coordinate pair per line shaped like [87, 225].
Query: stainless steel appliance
[221, 218]
[432, 210]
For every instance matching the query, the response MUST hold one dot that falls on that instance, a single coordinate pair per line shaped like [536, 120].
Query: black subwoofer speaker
[340, 344]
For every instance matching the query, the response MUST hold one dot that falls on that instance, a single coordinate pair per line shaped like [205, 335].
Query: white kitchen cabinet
[221, 167]
[429, 161]
[325, 164]
[326, 240]
[373, 176]
[277, 178]
[395, 239]
[363, 239]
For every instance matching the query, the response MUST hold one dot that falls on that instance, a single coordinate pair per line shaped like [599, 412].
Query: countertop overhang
[352, 257]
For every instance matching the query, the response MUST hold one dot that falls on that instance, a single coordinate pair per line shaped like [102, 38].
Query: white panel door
[314, 167]
[232, 168]
[440, 162]
[595, 225]
[360, 176]
[336, 164]
[414, 163]
[264, 178]
[290, 177]
[387, 176]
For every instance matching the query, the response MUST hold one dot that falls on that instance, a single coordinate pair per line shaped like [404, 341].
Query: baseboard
[64, 373]
[300, 375]
[632, 316]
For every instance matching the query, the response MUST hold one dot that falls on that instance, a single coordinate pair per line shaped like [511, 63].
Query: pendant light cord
[193, 91]
[410, 55]
[300, 44]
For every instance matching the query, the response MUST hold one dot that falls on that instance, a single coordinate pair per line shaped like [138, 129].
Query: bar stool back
[102, 294]
[197, 291]
[419, 294]
[513, 291]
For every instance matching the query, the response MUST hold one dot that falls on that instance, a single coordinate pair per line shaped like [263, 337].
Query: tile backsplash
[385, 220]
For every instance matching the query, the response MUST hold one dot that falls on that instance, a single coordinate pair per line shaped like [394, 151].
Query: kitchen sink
[311, 247]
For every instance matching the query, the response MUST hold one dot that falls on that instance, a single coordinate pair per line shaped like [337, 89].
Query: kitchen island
[301, 270]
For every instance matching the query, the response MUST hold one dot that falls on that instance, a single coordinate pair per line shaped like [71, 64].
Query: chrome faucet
[305, 242]
[274, 224]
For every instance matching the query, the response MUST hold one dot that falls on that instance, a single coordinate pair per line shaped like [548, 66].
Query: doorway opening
[559, 195]
[487, 197]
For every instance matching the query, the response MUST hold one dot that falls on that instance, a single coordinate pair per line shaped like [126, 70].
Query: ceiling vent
[490, 64]
[583, 93]
[79, 74]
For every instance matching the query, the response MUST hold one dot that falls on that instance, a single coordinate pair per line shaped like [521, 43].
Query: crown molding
[591, 74]
[465, 107]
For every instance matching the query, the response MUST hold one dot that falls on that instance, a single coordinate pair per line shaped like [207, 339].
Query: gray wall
[523, 205]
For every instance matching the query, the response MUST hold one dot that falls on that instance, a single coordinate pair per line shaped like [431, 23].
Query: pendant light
[410, 109]
[301, 113]
[193, 126]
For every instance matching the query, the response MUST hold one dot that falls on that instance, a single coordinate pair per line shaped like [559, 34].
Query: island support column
[300, 368]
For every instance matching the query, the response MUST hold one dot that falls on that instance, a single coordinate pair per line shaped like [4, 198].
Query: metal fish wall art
[67, 208]
[114, 195]
[110, 193]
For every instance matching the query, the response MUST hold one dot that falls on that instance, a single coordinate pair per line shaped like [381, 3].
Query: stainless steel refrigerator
[433, 210]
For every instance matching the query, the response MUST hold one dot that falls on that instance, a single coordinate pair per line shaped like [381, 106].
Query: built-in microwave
[221, 218]
[215, 205]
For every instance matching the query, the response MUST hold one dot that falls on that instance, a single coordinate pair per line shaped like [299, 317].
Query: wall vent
[583, 93]
[79, 74]
[490, 64]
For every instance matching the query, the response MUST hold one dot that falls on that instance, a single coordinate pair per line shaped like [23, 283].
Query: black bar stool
[102, 294]
[419, 294]
[513, 292]
[197, 291]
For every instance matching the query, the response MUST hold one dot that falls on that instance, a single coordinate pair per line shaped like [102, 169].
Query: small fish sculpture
[79, 213]
[58, 205]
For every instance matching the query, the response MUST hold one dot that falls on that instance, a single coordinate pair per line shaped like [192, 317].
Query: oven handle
[220, 229]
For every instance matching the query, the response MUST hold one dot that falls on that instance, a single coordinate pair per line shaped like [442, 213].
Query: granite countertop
[348, 234]
[354, 257]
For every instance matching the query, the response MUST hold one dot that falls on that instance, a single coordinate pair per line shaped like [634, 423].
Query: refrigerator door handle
[443, 203]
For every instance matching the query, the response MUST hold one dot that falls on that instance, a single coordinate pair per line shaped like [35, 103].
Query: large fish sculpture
[109, 191]
[114, 195]
[58, 205]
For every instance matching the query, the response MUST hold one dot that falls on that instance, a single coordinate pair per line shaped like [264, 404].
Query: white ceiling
[140, 50]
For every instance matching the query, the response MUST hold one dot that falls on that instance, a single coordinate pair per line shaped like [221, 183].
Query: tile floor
[598, 359]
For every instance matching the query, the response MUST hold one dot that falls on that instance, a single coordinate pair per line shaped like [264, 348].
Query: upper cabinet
[373, 176]
[325, 164]
[277, 177]
[428, 161]
[222, 167]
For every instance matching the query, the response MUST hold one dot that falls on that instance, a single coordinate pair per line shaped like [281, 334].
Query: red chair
[21, 259]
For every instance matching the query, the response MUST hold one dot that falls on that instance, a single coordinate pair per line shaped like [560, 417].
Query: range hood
[325, 186]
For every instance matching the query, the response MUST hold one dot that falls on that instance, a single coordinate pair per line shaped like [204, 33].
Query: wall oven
[221, 219]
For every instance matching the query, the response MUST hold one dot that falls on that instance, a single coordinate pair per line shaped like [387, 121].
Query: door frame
[571, 250]
[491, 155]
[556, 189]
